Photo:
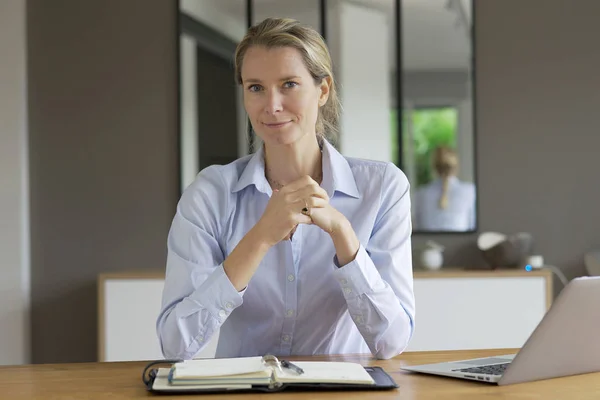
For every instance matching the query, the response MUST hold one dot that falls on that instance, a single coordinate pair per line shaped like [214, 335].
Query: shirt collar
[254, 174]
[337, 175]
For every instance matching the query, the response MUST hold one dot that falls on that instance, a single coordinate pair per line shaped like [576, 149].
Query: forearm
[194, 306]
[377, 310]
[383, 323]
[245, 258]
[345, 242]
[182, 337]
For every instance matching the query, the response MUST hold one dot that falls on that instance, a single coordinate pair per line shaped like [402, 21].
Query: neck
[286, 163]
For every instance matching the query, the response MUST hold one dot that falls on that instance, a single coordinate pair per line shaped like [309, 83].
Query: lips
[276, 124]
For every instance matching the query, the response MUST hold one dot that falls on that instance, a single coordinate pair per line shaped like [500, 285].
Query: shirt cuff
[217, 295]
[359, 276]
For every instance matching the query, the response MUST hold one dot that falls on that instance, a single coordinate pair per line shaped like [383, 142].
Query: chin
[282, 138]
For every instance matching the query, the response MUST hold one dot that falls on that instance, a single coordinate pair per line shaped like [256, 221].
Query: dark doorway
[217, 110]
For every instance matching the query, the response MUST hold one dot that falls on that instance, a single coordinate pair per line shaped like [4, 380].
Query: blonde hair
[445, 162]
[286, 32]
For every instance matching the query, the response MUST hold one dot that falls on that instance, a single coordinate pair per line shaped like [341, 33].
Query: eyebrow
[287, 78]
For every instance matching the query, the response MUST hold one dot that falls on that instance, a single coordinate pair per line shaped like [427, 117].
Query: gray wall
[103, 157]
[538, 93]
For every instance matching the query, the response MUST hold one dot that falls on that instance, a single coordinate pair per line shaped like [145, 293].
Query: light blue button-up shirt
[299, 302]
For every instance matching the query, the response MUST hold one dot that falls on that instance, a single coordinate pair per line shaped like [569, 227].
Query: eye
[254, 88]
[290, 84]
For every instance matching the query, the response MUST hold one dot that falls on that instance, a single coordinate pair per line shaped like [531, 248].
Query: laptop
[565, 342]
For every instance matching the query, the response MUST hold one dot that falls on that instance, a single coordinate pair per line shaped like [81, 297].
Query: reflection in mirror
[437, 132]
[212, 119]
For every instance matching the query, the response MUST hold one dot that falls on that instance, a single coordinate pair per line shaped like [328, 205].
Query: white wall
[234, 28]
[14, 206]
[189, 114]
[359, 46]
[305, 11]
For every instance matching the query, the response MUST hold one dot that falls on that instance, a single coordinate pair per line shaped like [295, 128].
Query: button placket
[292, 260]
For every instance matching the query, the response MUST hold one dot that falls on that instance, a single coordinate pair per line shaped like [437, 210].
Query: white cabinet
[128, 306]
[455, 310]
[460, 310]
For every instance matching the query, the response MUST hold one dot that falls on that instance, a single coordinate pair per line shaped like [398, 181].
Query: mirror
[437, 114]
[428, 112]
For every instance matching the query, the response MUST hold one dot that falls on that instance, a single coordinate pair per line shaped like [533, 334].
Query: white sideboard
[455, 309]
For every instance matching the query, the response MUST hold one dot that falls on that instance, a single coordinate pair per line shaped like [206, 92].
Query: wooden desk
[122, 380]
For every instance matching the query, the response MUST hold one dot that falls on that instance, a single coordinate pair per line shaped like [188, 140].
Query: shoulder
[386, 173]
[379, 178]
[212, 188]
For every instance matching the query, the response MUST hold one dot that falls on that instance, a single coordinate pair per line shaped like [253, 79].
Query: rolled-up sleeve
[378, 283]
[197, 295]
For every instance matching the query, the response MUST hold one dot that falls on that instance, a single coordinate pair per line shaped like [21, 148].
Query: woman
[294, 250]
[446, 203]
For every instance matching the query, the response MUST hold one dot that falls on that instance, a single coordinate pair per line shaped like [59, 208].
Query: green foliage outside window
[432, 127]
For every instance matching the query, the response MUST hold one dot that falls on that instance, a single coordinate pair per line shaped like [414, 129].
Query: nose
[274, 102]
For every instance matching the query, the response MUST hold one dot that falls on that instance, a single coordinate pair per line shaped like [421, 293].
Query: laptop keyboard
[495, 369]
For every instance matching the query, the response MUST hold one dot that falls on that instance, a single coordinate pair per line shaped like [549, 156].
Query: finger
[303, 219]
[315, 202]
[306, 192]
[304, 206]
[298, 184]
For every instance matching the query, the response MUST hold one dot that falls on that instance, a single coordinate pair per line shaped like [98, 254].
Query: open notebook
[266, 374]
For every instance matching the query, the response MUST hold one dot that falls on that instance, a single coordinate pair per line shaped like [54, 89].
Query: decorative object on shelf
[535, 261]
[502, 251]
[432, 257]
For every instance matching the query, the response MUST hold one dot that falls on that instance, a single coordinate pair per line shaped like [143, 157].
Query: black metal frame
[215, 39]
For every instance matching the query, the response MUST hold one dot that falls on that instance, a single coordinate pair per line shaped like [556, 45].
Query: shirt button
[289, 313]
[344, 282]
[291, 278]
[286, 338]
[229, 305]
[201, 338]
[347, 290]
[222, 313]
[358, 319]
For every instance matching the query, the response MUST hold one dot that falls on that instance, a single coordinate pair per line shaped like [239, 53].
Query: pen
[289, 365]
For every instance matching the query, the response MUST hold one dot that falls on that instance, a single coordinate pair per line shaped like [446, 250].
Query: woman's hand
[327, 218]
[284, 211]
[339, 229]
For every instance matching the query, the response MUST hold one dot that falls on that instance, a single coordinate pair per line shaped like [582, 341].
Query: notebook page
[325, 372]
[161, 382]
[221, 367]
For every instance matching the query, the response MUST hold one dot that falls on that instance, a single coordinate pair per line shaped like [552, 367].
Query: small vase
[432, 257]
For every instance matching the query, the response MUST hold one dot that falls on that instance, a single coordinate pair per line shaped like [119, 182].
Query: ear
[325, 87]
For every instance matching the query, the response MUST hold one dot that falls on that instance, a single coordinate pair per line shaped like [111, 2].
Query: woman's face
[280, 96]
